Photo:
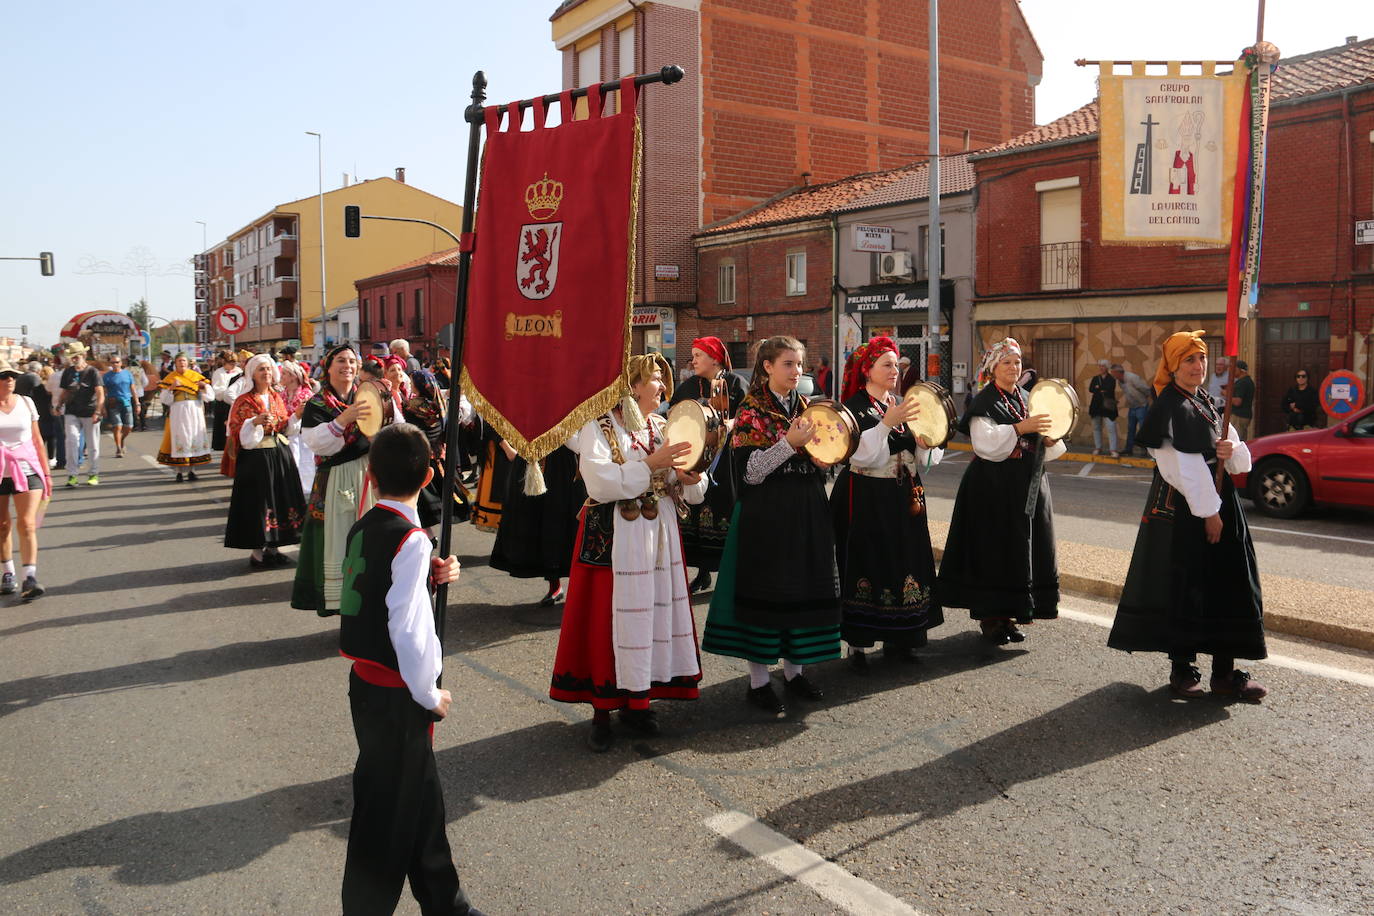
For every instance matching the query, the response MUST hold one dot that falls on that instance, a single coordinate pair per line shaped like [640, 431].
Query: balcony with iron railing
[1061, 265]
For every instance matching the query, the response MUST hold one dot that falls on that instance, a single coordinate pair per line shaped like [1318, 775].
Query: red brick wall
[840, 86]
[438, 286]
[761, 293]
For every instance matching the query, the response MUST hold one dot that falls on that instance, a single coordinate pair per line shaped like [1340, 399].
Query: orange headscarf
[1176, 346]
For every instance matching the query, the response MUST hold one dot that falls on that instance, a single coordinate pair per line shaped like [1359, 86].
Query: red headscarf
[862, 360]
[713, 348]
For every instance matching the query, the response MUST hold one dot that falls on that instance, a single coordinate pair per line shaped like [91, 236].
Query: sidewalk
[1083, 457]
[1296, 607]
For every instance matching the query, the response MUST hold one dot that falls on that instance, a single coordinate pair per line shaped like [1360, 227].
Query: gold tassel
[631, 414]
[534, 479]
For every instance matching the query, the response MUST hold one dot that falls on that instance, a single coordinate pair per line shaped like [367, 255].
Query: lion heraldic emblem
[536, 267]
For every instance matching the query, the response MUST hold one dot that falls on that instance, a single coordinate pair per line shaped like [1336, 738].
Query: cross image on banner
[553, 270]
[1168, 151]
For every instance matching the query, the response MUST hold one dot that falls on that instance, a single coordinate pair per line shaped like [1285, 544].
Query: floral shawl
[760, 422]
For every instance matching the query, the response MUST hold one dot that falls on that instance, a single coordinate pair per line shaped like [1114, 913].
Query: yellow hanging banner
[1168, 147]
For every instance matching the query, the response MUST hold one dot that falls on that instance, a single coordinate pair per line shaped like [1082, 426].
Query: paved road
[1101, 504]
[174, 739]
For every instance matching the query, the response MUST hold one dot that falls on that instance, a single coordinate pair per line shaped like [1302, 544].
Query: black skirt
[267, 507]
[537, 533]
[887, 568]
[706, 526]
[786, 577]
[219, 419]
[1184, 595]
[999, 560]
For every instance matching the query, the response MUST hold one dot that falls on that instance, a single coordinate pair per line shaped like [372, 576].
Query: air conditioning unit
[894, 265]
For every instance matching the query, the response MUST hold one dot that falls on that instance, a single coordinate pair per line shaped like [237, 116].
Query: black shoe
[701, 583]
[643, 721]
[7, 586]
[858, 661]
[599, 738]
[255, 563]
[994, 632]
[800, 686]
[277, 558]
[31, 590]
[191, 475]
[764, 698]
[1013, 634]
[553, 597]
[180, 477]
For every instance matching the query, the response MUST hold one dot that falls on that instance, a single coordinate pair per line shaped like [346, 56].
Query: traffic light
[24, 329]
[353, 222]
[45, 263]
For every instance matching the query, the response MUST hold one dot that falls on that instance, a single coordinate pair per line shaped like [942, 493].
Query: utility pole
[933, 266]
[324, 280]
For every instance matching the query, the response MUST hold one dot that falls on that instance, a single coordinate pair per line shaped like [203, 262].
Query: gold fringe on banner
[534, 450]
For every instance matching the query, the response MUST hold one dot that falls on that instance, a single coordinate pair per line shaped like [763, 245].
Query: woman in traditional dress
[496, 456]
[329, 426]
[267, 507]
[628, 636]
[184, 393]
[1000, 560]
[1193, 585]
[705, 528]
[297, 389]
[426, 408]
[539, 522]
[882, 539]
[777, 596]
[226, 373]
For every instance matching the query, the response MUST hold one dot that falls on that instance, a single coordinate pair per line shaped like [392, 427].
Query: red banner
[553, 271]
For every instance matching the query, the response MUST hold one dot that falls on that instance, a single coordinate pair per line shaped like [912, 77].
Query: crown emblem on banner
[543, 197]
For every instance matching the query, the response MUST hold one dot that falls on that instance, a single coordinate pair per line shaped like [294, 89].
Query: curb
[1276, 621]
[1081, 457]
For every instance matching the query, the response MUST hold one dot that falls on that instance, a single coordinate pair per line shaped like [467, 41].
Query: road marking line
[1307, 534]
[1086, 469]
[1331, 672]
[851, 893]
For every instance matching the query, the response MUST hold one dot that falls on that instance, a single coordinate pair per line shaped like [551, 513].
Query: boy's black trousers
[398, 809]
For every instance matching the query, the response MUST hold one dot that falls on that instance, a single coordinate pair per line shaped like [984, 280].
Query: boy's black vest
[372, 544]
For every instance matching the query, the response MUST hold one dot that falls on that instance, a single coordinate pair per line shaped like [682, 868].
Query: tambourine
[700, 425]
[1057, 398]
[383, 408]
[835, 433]
[937, 418]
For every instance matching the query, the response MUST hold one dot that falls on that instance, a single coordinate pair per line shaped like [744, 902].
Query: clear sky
[125, 123]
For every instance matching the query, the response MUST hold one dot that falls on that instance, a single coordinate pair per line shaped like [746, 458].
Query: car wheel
[1279, 488]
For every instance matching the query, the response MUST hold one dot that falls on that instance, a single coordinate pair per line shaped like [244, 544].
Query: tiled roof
[1329, 70]
[869, 189]
[446, 258]
[1324, 71]
[956, 177]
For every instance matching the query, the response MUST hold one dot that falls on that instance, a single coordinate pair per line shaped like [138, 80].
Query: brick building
[795, 266]
[777, 90]
[412, 300]
[1043, 277]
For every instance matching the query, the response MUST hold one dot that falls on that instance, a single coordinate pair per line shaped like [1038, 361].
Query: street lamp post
[324, 282]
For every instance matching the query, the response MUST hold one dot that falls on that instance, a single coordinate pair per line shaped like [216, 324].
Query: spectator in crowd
[145, 401]
[81, 401]
[140, 388]
[401, 347]
[1300, 403]
[119, 401]
[1242, 400]
[1216, 382]
[908, 376]
[24, 481]
[57, 452]
[823, 378]
[1102, 408]
[49, 427]
[1135, 392]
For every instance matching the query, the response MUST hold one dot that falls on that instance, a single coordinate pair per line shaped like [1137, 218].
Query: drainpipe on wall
[836, 362]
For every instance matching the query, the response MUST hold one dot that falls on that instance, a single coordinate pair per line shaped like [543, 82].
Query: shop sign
[872, 238]
[644, 317]
[666, 272]
[898, 298]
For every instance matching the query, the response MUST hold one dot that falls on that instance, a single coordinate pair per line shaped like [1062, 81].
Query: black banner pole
[460, 306]
[668, 75]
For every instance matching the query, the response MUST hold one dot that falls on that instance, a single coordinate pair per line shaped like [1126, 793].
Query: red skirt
[584, 667]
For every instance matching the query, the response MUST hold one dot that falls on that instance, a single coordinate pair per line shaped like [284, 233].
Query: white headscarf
[252, 366]
[995, 354]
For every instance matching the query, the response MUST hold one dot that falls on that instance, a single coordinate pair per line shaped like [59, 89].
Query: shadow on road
[191, 574]
[239, 597]
[171, 533]
[184, 667]
[1112, 720]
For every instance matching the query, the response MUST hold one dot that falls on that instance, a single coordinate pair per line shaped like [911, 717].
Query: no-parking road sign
[1341, 394]
[231, 318]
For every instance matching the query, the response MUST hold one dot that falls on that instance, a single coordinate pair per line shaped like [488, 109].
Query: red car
[1332, 466]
